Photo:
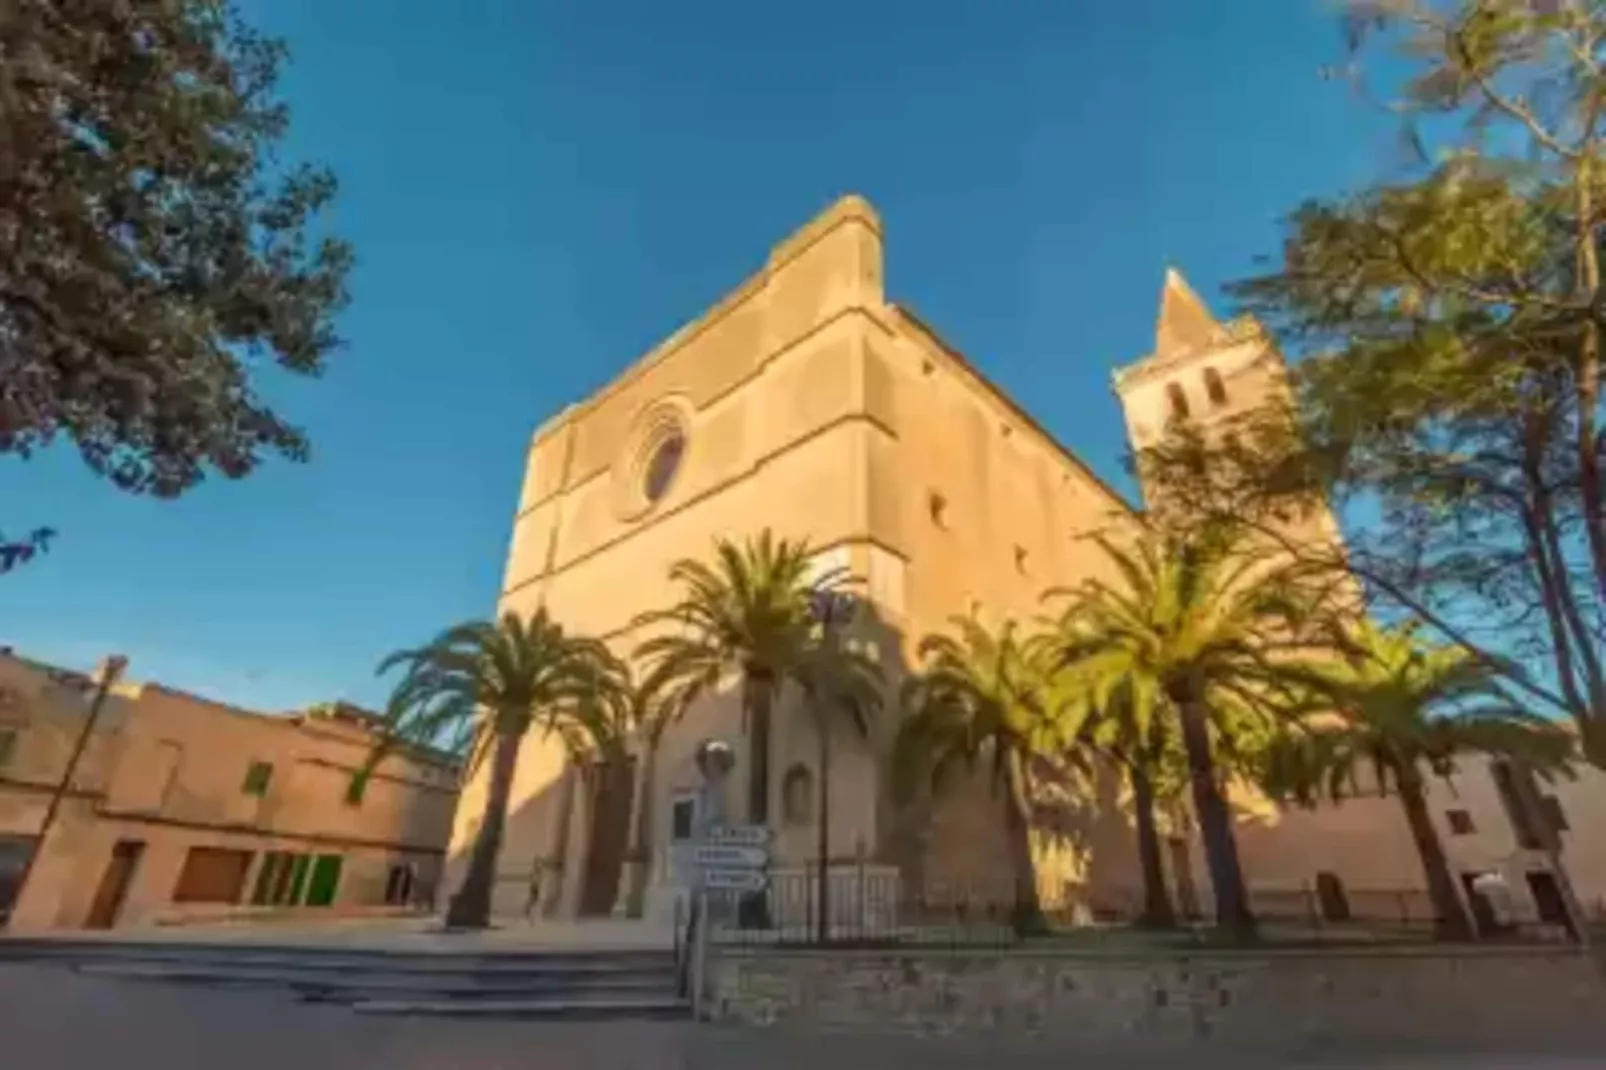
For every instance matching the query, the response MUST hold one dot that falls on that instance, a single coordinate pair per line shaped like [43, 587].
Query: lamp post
[833, 609]
[714, 760]
[106, 675]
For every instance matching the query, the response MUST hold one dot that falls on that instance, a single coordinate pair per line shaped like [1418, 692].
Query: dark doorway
[114, 882]
[1331, 897]
[399, 885]
[14, 854]
[611, 785]
[1483, 915]
[1548, 900]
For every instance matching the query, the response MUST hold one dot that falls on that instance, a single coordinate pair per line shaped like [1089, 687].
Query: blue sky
[540, 190]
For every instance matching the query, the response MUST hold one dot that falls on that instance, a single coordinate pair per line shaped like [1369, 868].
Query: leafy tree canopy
[1449, 320]
[155, 255]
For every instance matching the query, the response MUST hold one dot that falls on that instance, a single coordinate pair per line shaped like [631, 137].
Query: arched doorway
[608, 787]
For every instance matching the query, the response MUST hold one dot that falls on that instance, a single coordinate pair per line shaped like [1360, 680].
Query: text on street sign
[735, 880]
[745, 835]
[729, 856]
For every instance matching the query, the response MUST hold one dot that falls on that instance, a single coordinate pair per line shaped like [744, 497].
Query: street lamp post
[833, 609]
[106, 675]
[714, 760]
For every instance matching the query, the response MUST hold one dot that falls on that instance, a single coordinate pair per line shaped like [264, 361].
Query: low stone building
[183, 808]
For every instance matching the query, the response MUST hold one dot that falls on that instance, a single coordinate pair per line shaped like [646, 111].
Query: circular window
[662, 464]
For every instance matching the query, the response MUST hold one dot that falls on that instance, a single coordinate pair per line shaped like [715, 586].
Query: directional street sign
[729, 856]
[735, 880]
[745, 835]
[733, 858]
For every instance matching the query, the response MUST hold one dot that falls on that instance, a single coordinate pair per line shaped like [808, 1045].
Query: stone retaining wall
[1466, 998]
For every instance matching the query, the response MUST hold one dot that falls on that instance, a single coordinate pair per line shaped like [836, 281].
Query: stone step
[347, 985]
[346, 960]
[554, 1007]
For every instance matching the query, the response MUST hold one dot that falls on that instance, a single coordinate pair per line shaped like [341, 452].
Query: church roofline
[849, 208]
[910, 317]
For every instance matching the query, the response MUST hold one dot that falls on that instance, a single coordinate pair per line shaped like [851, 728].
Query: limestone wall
[1467, 998]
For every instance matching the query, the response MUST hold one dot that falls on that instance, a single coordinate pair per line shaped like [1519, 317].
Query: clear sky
[541, 190]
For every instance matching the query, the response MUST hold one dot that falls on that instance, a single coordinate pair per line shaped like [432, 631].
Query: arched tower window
[1215, 387]
[1178, 400]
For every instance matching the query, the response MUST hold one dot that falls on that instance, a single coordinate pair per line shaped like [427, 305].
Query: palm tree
[747, 612]
[600, 727]
[840, 684]
[979, 695]
[1126, 725]
[1191, 622]
[1404, 708]
[492, 682]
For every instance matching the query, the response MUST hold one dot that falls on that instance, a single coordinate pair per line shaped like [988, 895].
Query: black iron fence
[874, 906]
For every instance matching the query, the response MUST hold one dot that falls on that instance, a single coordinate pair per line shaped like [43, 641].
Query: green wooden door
[325, 879]
[298, 880]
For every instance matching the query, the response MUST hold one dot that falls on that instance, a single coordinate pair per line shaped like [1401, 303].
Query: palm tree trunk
[1157, 910]
[1450, 914]
[1215, 822]
[470, 908]
[758, 699]
[640, 851]
[1027, 917]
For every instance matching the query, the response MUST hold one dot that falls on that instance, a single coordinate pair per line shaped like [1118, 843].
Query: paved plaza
[54, 1019]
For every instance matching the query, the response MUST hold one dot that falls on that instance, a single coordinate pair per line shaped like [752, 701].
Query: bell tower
[1201, 372]
[1209, 376]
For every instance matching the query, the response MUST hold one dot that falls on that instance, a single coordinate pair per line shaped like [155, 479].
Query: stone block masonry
[1340, 1000]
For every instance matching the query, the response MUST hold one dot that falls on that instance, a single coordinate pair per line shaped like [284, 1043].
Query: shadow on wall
[565, 845]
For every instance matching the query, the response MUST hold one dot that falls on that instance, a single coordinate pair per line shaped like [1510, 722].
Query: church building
[810, 403]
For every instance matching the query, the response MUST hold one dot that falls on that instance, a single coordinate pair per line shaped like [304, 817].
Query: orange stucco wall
[166, 769]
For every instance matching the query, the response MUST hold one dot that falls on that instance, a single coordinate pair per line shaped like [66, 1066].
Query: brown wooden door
[114, 884]
[212, 875]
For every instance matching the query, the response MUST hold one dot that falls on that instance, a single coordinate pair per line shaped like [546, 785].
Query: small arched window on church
[797, 795]
[1179, 401]
[1215, 387]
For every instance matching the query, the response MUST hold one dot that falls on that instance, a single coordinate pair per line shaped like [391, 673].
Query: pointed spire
[1184, 321]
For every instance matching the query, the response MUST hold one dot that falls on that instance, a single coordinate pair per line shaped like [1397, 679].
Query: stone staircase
[510, 983]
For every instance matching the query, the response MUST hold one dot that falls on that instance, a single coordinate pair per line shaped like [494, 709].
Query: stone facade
[1527, 999]
[184, 808]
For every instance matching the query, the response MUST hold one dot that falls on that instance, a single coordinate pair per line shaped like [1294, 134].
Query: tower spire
[1184, 322]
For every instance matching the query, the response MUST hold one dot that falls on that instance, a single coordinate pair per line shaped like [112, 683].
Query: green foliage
[751, 613]
[155, 255]
[21, 551]
[748, 611]
[480, 679]
[1204, 614]
[1449, 324]
[1202, 622]
[977, 695]
[1394, 706]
